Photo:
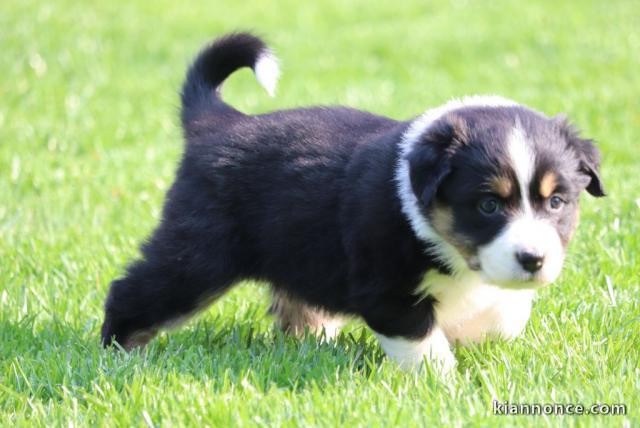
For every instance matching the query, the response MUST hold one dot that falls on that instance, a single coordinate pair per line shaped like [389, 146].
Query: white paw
[409, 354]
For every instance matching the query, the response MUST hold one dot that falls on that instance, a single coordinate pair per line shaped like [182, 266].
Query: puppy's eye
[556, 203]
[489, 206]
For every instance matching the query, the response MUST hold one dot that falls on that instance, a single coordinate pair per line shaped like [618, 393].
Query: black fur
[305, 199]
[301, 198]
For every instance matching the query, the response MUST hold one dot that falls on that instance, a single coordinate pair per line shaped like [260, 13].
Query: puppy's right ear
[430, 158]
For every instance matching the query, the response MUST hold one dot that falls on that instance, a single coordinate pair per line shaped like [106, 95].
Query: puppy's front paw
[410, 353]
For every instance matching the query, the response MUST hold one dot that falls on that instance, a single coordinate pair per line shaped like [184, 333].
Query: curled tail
[201, 89]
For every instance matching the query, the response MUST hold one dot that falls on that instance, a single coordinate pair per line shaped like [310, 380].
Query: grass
[89, 140]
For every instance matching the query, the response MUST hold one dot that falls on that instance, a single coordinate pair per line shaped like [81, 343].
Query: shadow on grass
[43, 358]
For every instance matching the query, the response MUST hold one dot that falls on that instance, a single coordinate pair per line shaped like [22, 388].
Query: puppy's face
[501, 186]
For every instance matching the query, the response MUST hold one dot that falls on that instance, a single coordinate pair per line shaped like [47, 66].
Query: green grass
[89, 141]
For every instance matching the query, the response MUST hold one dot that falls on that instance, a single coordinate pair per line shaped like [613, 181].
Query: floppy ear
[430, 158]
[588, 156]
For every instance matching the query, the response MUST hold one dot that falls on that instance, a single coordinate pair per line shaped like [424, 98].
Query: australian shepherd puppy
[433, 231]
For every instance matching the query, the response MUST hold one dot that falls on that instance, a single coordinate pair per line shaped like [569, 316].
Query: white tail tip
[267, 72]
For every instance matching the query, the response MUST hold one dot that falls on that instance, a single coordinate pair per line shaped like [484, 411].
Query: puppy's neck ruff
[438, 247]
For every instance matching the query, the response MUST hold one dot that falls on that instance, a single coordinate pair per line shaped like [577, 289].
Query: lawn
[89, 141]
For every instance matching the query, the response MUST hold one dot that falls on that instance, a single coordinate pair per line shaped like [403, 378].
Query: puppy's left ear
[430, 158]
[588, 156]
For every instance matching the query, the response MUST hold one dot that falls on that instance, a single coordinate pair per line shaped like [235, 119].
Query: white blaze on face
[523, 162]
[523, 233]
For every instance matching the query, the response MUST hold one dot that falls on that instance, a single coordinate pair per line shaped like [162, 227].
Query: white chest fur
[469, 310]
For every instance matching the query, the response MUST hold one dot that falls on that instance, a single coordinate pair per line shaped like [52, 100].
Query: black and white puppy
[435, 230]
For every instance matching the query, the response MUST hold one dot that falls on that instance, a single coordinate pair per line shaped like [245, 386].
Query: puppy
[433, 231]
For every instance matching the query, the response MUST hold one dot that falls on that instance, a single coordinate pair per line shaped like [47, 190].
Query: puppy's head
[501, 185]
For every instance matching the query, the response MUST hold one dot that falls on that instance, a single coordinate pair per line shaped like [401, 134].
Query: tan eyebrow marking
[503, 186]
[548, 184]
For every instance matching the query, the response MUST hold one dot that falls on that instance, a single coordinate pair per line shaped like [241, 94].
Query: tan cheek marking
[502, 186]
[548, 184]
[442, 222]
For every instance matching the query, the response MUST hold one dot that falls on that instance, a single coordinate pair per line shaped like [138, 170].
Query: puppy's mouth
[524, 280]
[528, 280]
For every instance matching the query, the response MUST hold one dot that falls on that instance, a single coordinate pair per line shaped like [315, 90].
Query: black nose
[531, 262]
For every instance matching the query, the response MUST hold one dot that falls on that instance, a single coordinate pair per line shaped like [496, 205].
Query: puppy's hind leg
[164, 288]
[293, 316]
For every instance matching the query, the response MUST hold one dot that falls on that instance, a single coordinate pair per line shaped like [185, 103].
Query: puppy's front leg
[409, 353]
[408, 333]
